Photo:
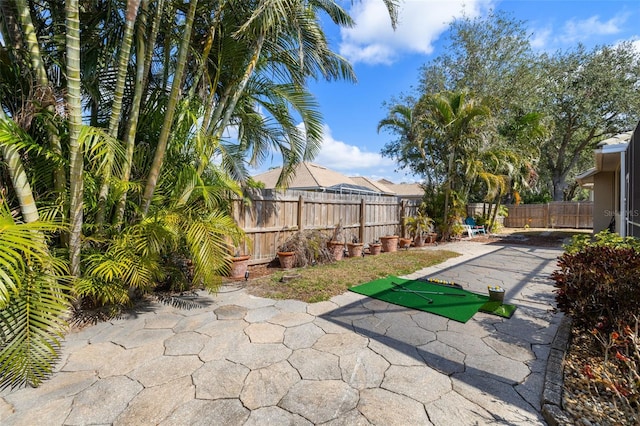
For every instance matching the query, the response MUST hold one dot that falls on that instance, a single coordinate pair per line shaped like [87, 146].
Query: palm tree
[453, 120]
[33, 300]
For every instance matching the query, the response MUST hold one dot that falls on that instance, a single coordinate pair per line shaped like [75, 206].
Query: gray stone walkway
[244, 360]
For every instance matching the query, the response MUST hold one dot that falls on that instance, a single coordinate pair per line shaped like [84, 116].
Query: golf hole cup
[496, 293]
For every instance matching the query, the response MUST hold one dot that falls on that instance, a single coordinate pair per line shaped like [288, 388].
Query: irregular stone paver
[219, 379]
[265, 333]
[55, 412]
[92, 357]
[154, 404]
[229, 312]
[442, 357]
[238, 359]
[420, 383]
[320, 401]
[302, 336]
[144, 337]
[363, 369]
[164, 369]
[163, 320]
[186, 343]
[325, 366]
[259, 355]
[454, 408]
[503, 402]
[396, 351]
[382, 407]
[341, 344]
[275, 416]
[267, 386]
[291, 319]
[199, 412]
[103, 401]
[131, 359]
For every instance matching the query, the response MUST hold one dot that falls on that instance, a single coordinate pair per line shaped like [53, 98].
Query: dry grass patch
[319, 283]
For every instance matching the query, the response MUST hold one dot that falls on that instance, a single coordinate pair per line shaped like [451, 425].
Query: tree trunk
[132, 123]
[19, 180]
[31, 38]
[74, 106]
[158, 158]
[116, 107]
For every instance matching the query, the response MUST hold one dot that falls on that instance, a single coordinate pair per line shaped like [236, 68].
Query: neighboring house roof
[622, 138]
[312, 177]
[306, 176]
[405, 189]
[371, 184]
[309, 176]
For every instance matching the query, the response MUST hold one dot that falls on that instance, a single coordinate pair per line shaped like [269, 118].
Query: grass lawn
[319, 283]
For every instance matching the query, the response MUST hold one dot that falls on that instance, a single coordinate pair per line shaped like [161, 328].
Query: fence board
[558, 214]
[273, 216]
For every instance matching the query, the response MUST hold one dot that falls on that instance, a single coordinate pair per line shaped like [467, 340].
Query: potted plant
[420, 226]
[355, 248]
[389, 243]
[375, 247]
[404, 243]
[239, 267]
[335, 245]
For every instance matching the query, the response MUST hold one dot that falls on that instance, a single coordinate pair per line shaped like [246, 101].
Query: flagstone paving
[243, 360]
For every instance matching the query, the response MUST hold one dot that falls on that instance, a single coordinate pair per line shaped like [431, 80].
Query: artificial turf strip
[498, 308]
[456, 304]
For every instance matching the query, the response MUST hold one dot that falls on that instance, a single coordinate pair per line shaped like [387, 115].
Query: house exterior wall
[604, 200]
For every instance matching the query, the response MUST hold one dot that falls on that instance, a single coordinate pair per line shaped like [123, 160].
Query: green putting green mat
[447, 301]
[498, 308]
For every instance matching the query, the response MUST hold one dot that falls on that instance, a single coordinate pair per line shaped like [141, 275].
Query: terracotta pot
[419, 241]
[375, 248]
[239, 266]
[287, 259]
[431, 238]
[355, 249]
[336, 249]
[389, 243]
[405, 243]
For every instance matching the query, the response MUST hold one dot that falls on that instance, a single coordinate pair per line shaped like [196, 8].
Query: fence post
[362, 220]
[402, 212]
[578, 216]
[300, 213]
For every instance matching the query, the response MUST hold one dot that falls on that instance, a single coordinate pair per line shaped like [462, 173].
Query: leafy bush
[597, 282]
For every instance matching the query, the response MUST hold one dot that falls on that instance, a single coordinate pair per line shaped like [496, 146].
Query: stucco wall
[604, 200]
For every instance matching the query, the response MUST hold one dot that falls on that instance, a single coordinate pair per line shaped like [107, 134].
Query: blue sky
[387, 62]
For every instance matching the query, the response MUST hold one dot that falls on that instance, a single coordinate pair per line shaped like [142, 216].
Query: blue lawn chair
[474, 227]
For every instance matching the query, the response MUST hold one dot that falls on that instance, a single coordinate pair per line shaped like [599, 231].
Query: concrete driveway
[237, 359]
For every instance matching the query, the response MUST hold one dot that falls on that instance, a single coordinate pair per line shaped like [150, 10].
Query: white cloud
[348, 159]
[420, 23]
[577, 30]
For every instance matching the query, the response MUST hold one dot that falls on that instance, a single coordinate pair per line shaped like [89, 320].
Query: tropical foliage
[487, 109]
[133, 123]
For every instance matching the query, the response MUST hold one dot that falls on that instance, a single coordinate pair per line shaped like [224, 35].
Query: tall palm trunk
[161, 148]
[74, 107]
[59, 176]
[143, 63]
[116, 107]
[19, 180]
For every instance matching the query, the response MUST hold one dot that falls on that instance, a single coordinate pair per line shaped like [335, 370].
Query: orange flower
[615, 336]
[621, 357]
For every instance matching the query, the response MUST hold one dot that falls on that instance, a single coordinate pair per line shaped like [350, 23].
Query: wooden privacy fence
[273, 216]
[558, 214]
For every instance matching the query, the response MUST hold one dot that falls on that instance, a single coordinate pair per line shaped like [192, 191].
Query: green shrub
[598, 285]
